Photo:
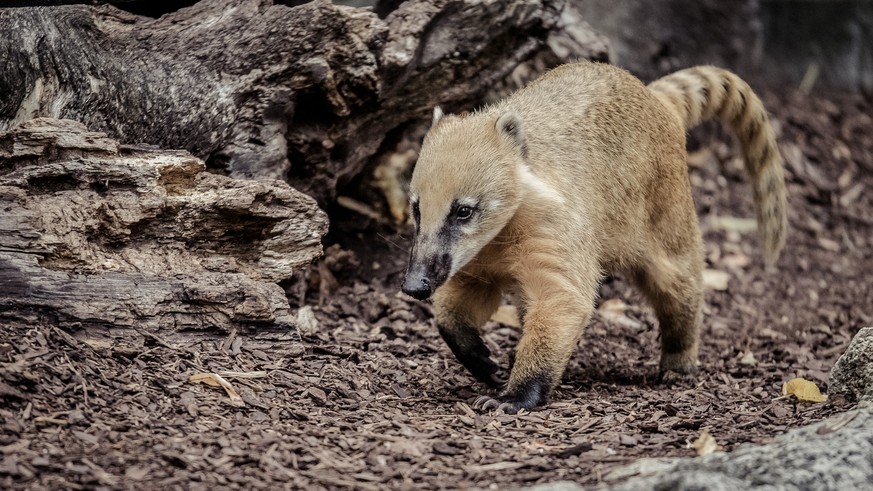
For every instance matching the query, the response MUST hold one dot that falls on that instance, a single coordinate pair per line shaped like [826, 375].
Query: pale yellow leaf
[358, 207]
[804, 390]
[702, 158]
[390, 176]
[705, 444]
[216, 380]
[736, 224]
[205, 378]
[613, 307]
[715, 279]
[749, 359]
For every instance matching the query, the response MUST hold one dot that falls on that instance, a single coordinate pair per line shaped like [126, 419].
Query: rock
[836, 453]
[853, 373]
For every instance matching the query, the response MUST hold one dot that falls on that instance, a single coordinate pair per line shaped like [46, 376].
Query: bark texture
[308, 92]
[97, 233]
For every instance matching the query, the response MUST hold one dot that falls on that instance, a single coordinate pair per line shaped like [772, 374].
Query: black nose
[417, 286]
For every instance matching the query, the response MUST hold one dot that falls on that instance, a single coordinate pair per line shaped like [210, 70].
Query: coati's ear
[437, 116]
[509, 126]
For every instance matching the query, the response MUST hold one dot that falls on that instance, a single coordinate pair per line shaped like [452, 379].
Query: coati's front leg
[559, 303]
[462, 306]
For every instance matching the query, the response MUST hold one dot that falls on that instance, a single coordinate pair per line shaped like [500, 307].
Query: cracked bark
[309, 93]
[98, 234]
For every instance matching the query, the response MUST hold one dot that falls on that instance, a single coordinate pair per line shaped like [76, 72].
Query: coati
[580, 173]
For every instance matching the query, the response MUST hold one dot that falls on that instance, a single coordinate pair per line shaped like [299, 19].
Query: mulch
[367, 396]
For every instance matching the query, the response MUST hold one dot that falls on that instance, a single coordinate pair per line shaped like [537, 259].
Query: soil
[369, 397]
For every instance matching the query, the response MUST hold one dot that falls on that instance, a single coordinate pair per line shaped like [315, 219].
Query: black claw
[481, 401]
[527, 395]
[491, 404]
[497, 380]
[487, 403]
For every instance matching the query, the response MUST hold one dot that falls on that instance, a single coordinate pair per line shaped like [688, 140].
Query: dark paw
[527, 394]
[471, 351]
[485, 370]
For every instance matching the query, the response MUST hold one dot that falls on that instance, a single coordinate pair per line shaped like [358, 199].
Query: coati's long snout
[425, 274]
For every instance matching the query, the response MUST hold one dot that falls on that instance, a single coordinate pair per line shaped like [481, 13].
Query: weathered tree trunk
[97, 233]
[261, 89]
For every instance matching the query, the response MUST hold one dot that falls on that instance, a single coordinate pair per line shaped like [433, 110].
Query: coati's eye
[464, 212]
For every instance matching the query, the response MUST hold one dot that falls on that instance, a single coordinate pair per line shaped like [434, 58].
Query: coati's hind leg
[674, 286]
[462, 306]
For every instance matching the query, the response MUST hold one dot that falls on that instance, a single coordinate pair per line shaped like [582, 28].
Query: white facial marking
[463, 254]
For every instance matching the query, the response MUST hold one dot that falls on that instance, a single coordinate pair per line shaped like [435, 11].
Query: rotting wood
[97, 233]
[261, 89]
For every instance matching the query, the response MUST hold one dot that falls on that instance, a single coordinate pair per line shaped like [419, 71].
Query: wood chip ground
[371, 398]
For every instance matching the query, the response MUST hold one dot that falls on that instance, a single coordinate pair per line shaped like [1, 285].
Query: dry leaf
[390, 176]
[735, 261]
[232, 374]
[715, 280]
[852, 194]
[702, 158]
[828, 244]
[804, 390]
[749, 359]
[705, 444]
[736, 224]
[307, 324]
[508, 315]
[98, 344]
[358, 207]
[216, 380]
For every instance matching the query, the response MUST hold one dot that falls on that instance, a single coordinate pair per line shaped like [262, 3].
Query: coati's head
[465, 188]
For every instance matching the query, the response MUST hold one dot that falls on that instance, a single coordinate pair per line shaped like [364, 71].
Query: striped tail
[702, 93]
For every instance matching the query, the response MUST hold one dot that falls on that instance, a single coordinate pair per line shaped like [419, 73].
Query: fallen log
[93, 233]
[260, 89]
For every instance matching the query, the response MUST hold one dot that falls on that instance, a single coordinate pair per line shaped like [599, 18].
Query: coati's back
[599, 137]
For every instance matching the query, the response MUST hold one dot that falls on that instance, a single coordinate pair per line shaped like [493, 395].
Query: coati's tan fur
[583, 172]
